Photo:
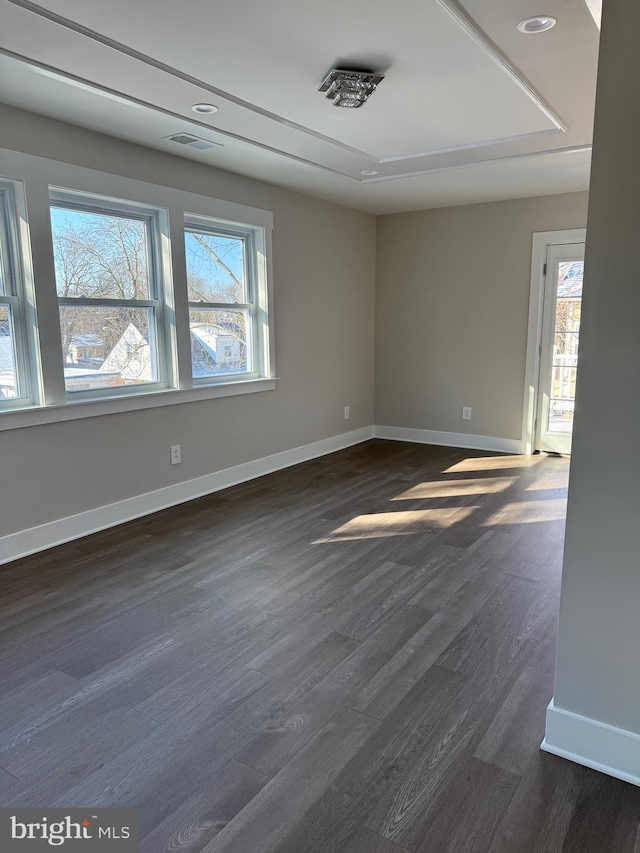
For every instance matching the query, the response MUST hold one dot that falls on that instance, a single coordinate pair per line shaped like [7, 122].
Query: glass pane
[215, 268]
[565, 346]
[8, 373]
[220, 342]
[108, 347]
[569, 296]
[568, 315]
[563, 392]
[100, 256]
[570, 279]
[561, 416]
[563, 383]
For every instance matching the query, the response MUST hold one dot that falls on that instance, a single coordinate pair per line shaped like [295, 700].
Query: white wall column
[595, 716]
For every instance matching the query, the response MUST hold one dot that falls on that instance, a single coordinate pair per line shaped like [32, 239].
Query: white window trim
[11, 300]
[156, 221]
[37, 174]
[37, 415]
[256, 277]
[21, 300]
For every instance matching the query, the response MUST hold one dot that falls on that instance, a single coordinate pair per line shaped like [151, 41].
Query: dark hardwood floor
[354, 655]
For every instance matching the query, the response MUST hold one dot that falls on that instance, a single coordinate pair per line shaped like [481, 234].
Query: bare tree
[100, 257]
[106, 257]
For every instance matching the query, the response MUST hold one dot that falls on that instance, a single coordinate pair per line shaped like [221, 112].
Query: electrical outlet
[176, 454]
[346, 413]
[466, 413]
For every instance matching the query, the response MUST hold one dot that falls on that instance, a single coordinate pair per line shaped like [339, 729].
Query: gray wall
[452, 303]
[324, 324]
[451, 322]
[598, 667]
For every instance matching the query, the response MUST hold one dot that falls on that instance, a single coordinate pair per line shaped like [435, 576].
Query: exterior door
[559, 347]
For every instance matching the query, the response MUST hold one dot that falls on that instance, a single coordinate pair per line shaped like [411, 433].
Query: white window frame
[34, 178]
[164, 357]
[255, 274]
[21, 308]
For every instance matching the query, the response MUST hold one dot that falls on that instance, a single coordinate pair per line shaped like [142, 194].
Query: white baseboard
[592, 743]
[30, 541]
[450, 439]
[26, 542]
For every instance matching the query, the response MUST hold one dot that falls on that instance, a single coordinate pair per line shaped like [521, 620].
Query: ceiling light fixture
[204, 109]
[538, 24]
[369, 172]
[349, 89]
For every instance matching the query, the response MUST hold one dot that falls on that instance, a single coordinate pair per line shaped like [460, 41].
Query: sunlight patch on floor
[529, 512]
[559, 480]
[381, 524]
[493, 463]
[456, 488]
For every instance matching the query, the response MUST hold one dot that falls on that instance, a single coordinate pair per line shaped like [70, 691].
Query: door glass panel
[565, 346]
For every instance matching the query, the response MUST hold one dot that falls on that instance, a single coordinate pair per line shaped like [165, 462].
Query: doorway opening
[553, 340]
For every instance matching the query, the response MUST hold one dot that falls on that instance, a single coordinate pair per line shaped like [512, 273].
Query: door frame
[541, 242]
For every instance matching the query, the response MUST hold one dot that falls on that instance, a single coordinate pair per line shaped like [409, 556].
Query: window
[111, 313]
[15, 379]
[105, 316]
[224, 302]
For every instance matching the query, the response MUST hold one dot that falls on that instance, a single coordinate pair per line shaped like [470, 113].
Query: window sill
[37, 415]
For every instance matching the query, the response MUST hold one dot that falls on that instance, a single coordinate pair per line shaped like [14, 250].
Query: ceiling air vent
[192, 141]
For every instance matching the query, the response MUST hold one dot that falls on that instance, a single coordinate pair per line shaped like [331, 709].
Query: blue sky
[199, 262]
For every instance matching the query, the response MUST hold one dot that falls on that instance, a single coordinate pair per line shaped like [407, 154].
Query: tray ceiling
[463, 89]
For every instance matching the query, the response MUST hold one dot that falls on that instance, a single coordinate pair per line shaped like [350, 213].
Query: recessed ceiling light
[369, 172]
[539, 24]
[204, 109]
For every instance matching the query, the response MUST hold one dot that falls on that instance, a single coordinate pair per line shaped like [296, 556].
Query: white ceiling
[469, 110]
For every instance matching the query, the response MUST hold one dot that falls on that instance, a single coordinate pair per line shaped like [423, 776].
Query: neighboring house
[204, 353]
[78, 378]
[129, 362]
[130, 358]
[84, 348]
[214, 351]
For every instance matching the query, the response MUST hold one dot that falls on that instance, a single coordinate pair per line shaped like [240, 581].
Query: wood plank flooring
[350, 656]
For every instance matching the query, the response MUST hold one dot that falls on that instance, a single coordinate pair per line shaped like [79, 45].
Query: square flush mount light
[349, 89]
